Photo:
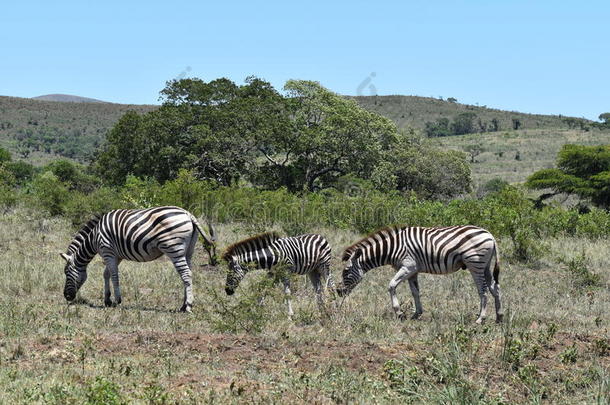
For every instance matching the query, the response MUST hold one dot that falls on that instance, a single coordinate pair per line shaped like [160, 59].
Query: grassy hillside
[39, 130]
[554, 344]
[415, 111]
[514, 155]
[42, 130]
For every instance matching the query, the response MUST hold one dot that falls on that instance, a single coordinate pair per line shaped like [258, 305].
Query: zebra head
[234, 276]
[75, 277]
[352, 274]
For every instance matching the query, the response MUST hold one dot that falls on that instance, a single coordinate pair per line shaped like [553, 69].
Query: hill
[40, 130]
[67, 98]
[415, 111]
[513, 155]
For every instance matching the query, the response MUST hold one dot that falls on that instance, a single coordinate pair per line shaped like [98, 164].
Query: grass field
[553, 347]
[514, 155]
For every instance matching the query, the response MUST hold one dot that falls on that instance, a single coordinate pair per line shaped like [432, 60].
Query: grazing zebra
[411, 250]
[305, 254]
[137, 235]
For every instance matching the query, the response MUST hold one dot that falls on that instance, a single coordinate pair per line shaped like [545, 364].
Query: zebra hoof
[499, 318]
[401, 316]
[416, 315]
[108, 302]
[186, 308]
[480, 321]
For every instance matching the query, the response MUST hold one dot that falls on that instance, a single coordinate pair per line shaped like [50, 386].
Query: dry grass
[553, 346]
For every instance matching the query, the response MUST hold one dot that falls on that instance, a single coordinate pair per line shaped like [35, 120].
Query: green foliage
[73, 175]
[581, 170]
[22, 171]
[49, 193]
[402, 378]
[569, 355]
[5, 156]
[463, 123]
[247, 311]
[429, 172]
[102, 391]
[492, 186]
[303, 141]
[582, 277]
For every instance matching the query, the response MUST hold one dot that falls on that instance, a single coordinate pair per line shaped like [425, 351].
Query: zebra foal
[136, 235]
[414, 250]
[305, 254]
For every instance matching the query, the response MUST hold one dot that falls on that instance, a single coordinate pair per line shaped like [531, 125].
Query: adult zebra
[413, 250]
[305, 254]
[137, 235]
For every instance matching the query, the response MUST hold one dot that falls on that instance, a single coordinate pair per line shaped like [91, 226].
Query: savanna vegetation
[250, 159]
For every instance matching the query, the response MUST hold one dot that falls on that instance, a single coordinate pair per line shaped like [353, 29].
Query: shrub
[50, 193]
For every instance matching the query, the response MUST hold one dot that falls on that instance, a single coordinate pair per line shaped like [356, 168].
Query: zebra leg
[112, 271]
[107, 300]
[286, 283]
[316, 282]
[414, 285]
[326, 274]
[406, 271]
[495, 291]
[184, 271]
[479, 279]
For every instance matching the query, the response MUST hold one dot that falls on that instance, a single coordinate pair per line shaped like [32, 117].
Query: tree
[516, 124]
[581, 170]
[463, 123]
[415, 165]
[495, 125]
[438, 128]
[330, 137]
[474, 151]
[605, 117]
[211, 128]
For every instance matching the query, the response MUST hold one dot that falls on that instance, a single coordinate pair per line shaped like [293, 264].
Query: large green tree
[581, 170]
[303, 140]
[329, 136]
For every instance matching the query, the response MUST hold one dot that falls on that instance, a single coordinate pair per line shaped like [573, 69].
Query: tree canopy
[303, 139]
[581, 170]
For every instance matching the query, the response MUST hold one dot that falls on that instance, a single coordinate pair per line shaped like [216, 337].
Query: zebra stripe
[306, 254]
[413, 250]
[136, 235]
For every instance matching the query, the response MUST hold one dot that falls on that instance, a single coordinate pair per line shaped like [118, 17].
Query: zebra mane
[349, 251]
[259, 241]
[82, 234]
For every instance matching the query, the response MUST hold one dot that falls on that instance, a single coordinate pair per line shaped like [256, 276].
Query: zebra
[305, 254]
[138, 235]
[413, 250]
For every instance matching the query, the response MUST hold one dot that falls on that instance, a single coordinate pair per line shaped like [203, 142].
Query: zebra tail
[199, 229]
[496, 272]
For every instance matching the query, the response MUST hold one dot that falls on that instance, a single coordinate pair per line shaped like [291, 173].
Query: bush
[50, 193]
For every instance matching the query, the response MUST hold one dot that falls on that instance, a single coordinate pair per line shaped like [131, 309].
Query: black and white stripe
[413, 250]
[305, 254]
[136, 235]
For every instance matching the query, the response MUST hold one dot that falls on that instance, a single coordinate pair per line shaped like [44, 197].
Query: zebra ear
[65, 257]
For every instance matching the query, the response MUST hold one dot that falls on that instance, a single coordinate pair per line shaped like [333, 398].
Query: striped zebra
[414, 250]
[305, 254]
[136, 235]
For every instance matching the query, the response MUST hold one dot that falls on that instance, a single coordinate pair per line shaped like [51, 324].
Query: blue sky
[532, 56]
